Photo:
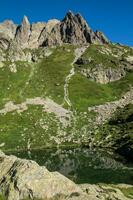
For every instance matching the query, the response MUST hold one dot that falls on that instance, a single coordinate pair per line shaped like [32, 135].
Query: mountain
[62, 84]
[72, 29]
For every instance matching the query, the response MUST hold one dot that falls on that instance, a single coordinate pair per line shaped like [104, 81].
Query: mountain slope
[60, 84]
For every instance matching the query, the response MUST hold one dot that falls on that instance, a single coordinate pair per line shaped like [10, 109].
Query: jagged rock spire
[25, 21]
[23, 32]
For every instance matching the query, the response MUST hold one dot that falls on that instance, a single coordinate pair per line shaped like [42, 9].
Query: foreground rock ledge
[25, 180]
[20, 179]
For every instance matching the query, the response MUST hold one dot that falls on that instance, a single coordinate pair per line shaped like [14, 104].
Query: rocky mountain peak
[72, 29]
[81, 21]
[25, 22]
[69, 15]
[23, 33]
[75, 30]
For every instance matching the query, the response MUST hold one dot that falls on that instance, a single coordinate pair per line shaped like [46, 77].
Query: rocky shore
[24, 179]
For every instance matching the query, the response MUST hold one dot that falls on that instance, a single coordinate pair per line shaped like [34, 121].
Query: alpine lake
[83, 165]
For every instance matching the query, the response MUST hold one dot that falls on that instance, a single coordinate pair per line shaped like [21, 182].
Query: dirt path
[78, 54]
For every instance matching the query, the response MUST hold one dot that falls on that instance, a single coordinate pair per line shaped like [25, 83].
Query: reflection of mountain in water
[83, 165]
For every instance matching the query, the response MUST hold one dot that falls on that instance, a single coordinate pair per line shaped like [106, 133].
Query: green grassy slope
[85, 93]
[49, 75]
[46, 78]
[11, 83]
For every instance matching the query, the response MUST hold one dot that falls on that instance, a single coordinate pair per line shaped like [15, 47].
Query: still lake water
[83, 165]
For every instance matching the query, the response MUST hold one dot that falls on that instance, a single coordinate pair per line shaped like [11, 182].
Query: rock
[102, 192]
[105, 111]
[8, 29]
[36, 30]
[13, 68]
[129, 59]
[102, 37]
[23, 33]
[16, 53]
[50, 35]
[4, 43]
[101, 75]
[20, 179]
[82, 61]
[75, 30]
[72, 29]
[7, 33]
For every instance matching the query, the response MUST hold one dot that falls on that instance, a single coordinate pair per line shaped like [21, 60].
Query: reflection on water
[83, 165]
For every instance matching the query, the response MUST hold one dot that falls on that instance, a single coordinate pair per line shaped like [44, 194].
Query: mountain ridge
[72, 29]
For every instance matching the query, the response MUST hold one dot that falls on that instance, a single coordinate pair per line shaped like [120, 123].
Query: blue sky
[113, 17]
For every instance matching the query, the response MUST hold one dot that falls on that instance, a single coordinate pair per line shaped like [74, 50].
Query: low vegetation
[118, 132]
[46, 78]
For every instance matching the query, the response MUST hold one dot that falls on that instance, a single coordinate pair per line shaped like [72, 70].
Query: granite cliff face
[72, 29]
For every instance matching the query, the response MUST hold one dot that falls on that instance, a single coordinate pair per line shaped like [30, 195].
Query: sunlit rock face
[7, 33]
[75, 30]
[23, 33]
[20, 179]
[72, 29]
